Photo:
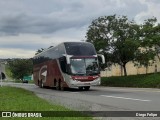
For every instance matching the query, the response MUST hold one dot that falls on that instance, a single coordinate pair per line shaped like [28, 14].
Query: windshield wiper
[80, 73]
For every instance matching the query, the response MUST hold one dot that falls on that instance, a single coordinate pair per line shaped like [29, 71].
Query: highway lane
[100, 98]
[144, 99]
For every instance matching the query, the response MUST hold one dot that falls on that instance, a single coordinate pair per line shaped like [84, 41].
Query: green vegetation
[8, 71]
[20, 68]
[17, 99]
[41, 50]
[9, 76]
[141, 81]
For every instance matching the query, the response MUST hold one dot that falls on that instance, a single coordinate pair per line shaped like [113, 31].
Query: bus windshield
[84, 66]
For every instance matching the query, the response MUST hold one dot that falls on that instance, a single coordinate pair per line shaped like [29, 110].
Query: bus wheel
[61, 86]
[41, 84]
[87, 87]
[57, 85]
[38, 83]
[80, 88]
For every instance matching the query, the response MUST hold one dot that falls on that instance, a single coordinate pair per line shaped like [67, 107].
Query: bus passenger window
[63, 64]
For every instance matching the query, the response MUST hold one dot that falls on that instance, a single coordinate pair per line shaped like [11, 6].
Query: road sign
[27, 78]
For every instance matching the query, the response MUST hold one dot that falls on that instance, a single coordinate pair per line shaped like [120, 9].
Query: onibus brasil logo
[21, 114]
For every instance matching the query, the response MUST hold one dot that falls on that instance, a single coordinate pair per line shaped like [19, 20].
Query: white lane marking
[125, 98]
[132, 90]
[74, 92]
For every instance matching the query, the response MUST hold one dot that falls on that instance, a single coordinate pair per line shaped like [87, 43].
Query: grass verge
[17, 99]
[141, 81]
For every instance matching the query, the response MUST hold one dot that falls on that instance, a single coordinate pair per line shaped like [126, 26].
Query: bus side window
[63, 64]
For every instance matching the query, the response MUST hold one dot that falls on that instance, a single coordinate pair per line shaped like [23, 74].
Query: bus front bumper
[76, 83]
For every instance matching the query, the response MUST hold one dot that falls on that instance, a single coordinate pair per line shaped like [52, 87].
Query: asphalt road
[100, 98]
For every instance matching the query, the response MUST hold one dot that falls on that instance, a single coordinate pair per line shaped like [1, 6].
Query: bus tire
[57, 85]
[86, 87]
[62, 88]
[41, 84]
[80, 88]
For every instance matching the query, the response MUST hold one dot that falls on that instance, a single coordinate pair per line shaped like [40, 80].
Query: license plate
[87, 83]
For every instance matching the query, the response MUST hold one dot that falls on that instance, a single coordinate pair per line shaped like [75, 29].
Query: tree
[150, 43]
[41, 50]
[116, 37]
[144, 58]
[150, 35]
[20, 67]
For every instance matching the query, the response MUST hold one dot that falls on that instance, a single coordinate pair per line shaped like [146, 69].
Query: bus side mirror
[68, 58]
[101, 59]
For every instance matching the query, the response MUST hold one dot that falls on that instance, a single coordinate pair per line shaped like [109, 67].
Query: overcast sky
[27, 25]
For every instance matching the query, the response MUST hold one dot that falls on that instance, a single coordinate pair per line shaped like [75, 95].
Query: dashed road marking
[125, 98]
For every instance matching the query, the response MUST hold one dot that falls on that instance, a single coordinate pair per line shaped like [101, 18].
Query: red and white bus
[69, 64]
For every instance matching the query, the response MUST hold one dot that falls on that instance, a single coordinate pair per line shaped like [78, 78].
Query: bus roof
[69, 48]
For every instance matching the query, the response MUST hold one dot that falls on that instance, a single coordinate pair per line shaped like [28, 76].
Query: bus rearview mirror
[68, 58]
[101, 58]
